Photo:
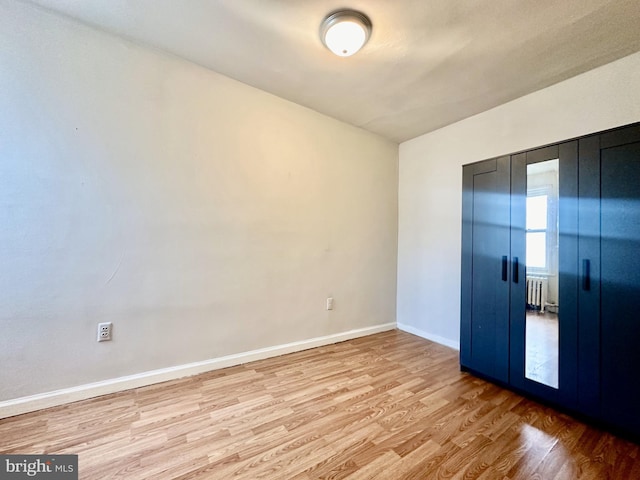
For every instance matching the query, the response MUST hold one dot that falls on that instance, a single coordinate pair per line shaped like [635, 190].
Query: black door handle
[504, 268]
[586, 274]
[514, 273]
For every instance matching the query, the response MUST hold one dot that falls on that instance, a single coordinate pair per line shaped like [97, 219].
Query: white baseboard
[430, 336]
[17, 406]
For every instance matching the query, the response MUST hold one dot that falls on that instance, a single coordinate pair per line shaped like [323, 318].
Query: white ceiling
[427, 64]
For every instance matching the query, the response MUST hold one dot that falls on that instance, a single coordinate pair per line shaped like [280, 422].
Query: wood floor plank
[388, 406]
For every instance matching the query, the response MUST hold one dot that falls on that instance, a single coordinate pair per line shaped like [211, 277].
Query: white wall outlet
[104, 331]
[330, 303]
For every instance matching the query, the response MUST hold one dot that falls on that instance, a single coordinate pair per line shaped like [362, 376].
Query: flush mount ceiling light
[345, 32]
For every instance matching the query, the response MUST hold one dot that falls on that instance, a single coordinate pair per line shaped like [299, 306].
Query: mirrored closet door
[542, 340]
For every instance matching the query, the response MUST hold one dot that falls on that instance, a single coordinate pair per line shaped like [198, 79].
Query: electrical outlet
[330, 303]
[104, 331]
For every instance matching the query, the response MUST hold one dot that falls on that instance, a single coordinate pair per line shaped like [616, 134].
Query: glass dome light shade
[345, 32]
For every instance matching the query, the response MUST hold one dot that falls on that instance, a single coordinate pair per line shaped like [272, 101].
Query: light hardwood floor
[387, 406]
[542, 352]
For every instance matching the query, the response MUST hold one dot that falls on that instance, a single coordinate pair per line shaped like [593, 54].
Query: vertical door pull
[504, 268]
[586, 274]
[514, 274]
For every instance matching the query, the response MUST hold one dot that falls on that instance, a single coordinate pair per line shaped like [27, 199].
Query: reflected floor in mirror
[541, 360]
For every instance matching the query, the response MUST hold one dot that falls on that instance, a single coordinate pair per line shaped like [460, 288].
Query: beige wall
[201, 216]
[430, 188]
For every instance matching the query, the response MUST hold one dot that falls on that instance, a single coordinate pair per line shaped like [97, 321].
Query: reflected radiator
[536, 293]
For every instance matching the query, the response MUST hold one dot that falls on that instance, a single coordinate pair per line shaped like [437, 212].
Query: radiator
[537, 292]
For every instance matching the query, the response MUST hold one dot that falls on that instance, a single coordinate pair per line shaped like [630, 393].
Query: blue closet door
[620, 282]
[588, 288]
[560, 361]
[485, 268]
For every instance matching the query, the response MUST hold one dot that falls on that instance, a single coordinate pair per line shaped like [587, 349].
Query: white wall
[431, 180]
[201, 216]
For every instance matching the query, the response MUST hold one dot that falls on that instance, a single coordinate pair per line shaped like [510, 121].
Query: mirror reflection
[541, 342]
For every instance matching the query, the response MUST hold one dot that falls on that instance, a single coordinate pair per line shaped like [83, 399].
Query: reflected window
[537, 208]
